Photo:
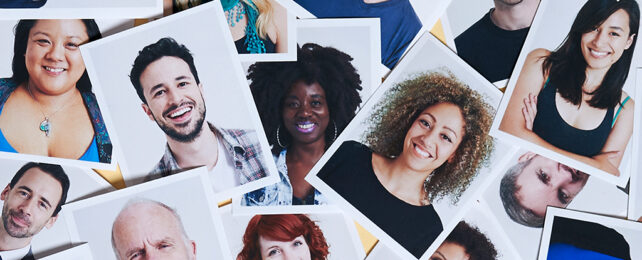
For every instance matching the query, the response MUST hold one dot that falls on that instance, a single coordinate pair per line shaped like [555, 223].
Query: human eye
[43, 205]
[42, 41]
[292, 104]
[23, 193]
[424, 123]
[615, 34]
[297, 243]
[183, 83]
[72, 45]
[563, 197]
[316, 103]
[543, 176]
[274, 252]
[446, 137]
[136, 255]
[159, 93]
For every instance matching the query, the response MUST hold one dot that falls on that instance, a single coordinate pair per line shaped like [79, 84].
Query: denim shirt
[280, 193]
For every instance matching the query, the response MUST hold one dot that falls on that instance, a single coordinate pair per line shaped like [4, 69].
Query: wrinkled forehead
[145, 223]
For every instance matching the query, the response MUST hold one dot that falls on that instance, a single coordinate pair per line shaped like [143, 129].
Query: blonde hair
[264, 8]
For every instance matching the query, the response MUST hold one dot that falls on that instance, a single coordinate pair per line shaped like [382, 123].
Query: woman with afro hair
[428, 138]
[465, 242]
[303, 105]
[277, 236]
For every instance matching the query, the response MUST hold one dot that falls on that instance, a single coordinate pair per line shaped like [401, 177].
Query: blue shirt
[565, 251]
[280, 193]
[399, 22]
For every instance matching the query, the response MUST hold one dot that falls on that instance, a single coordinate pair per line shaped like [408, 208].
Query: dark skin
[306, 117]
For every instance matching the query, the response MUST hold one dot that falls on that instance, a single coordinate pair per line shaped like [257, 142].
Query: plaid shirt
[241, 145]
[280, 193]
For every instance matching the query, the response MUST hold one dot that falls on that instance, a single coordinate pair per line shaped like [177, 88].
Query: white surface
[635, 203]
[225, 89]
[550, 26]
[427, 55]
[91, 220]
[69, 9]
[631, 231]
[81, 252]
[597, 196]
[340, 232]
[83, 183]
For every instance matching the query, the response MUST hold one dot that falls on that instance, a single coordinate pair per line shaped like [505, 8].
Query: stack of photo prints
[320, 129]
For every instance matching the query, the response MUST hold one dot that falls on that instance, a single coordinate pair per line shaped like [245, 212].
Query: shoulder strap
[619, 109]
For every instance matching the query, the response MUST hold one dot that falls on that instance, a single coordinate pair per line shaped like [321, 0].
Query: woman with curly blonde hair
[257, 26]
[428, 138]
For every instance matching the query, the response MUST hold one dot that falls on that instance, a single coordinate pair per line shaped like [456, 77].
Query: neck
[594, 78]
[50, 103]
[203, 150]
[514, 17]
[403, 181]
[312, 152]
[8, 242]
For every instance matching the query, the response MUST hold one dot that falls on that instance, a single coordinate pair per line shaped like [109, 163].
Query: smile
[306, 127]
[422, 152]
[54, 70]
[180, 112]
[598, 54]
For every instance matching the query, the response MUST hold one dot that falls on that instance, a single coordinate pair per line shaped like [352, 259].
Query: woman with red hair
[291, 236]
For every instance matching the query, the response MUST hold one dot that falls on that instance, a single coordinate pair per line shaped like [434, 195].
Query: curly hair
[476, 244]
[329, 67]
[402, 105]
[282, 228]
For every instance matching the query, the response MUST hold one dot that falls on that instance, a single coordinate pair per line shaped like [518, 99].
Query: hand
[605, 161]
[529, 110]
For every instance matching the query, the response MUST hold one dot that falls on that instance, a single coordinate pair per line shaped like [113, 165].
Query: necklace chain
[45, 125]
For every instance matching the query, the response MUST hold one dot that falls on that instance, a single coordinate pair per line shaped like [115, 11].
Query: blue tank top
[91, 154]
[550, 126]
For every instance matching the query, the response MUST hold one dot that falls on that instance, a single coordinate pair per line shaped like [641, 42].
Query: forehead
[163, 70]
[141, 222]
[301, 89]
[265, 242]
[42, 184]
[453, 251]
[65, 28]
[619, 18]
[446, 113]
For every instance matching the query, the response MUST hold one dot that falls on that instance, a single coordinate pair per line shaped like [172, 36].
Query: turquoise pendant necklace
[45, 125]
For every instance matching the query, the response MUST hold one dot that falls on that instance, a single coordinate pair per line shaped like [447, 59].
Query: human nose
[28, 205]
[304, 111]
[174, 96]
[430, 139]
[600, 38]
[56, 52]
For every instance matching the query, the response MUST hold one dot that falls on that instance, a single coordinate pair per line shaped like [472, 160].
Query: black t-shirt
[490, 50]
[349, 172]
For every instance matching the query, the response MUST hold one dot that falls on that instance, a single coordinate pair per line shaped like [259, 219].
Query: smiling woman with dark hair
[571, 100]
[47, 107]
[428, 139]
[304, 106]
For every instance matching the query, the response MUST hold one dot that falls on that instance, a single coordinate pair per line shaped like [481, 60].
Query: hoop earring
[278, 139]
[335, 131]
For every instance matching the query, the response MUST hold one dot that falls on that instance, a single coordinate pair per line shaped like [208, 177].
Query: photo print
[262, 30]
[519, 196]
[79, 252]
[79, 9]
[489, 34]
[39, 229]
[305, 104]
[437, 136]
[295, 232]
[152, 219]
[576, 234]
[48, 109]
[584, 121]
[178, 100]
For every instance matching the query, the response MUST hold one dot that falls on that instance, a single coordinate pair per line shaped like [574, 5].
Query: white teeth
[598, 54]
[421, 152]
[180, 112]
[54, 69]
[305, 126]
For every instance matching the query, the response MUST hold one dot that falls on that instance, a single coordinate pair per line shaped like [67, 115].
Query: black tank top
[550, 126]
[241, 45]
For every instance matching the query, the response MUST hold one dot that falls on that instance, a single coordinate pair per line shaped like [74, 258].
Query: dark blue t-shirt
[399, 22]
[22, 3]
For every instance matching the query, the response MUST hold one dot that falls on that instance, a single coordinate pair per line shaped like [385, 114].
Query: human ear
[6, 190]
[525, 157]
[51, 221]
[147, 111]
[629, 41]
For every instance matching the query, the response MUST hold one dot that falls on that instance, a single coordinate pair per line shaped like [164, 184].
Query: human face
[433, 137]
[174, 99]
[296, 249]
[149, 231]
[53, 58]
[605, 44]
[29, 205]
[546, 182]
[450, 251]
[508, 2]
[305, 113]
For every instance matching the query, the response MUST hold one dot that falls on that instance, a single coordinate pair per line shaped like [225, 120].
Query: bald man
[147, 229]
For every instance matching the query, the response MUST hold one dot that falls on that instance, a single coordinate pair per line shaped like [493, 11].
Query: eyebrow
[46, 34]
[616, 28]
[445, 126]
[160, 85]
[133, 250]
[440, 254]
[45, 200]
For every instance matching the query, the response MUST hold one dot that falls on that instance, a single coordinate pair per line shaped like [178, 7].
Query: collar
[15, 254]
[231, 144]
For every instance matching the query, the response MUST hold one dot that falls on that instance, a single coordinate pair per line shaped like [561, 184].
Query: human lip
[306, 127]
[421, 151]
[20, 220]
[180, 113]
[54, 70]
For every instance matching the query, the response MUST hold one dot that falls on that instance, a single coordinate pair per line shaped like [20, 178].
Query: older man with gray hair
[147, 229]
